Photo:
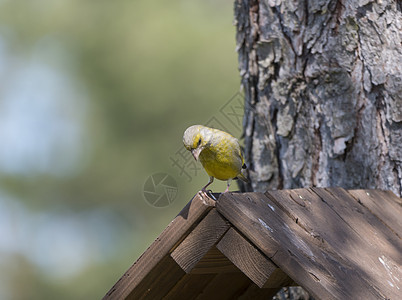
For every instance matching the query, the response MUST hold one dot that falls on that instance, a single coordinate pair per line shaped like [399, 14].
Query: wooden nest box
[336, 244]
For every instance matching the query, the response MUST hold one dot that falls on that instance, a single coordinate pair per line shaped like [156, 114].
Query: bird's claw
[211, 195]
[205, 194]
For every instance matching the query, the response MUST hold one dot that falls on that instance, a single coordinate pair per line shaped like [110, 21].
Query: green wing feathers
[244, 166]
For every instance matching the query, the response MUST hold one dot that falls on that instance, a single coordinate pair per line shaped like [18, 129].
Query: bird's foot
[211, 195]
[205, 196]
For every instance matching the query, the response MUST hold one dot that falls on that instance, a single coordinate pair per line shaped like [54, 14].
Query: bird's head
[194, 140]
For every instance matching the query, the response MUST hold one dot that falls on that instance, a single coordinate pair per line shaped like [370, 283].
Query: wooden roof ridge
[336, 244]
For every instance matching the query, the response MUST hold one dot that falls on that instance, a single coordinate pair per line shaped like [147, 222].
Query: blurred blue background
[94, 99]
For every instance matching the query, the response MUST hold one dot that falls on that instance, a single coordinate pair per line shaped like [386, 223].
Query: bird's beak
[196, 152]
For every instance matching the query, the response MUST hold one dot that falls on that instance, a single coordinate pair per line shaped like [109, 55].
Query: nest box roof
[336, 244]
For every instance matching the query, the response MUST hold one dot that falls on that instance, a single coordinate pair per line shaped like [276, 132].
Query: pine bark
[323, 94]
[323, 87]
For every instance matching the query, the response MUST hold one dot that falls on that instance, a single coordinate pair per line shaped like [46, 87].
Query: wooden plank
[382, 255]
[246, 257]
[226, 286]
[255, 293]
[385, 205]
[308, 260]
[185, 221]
[356, 238]
[214, 262]
[159, 281]
[196, 245]
[189, 287]
[279, 279]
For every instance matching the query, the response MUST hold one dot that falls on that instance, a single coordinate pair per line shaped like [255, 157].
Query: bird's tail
[243, 178]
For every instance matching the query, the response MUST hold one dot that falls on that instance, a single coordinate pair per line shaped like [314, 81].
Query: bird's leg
[228, 184]
[204, 191]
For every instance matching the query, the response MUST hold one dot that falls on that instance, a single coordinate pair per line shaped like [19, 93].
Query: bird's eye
[199, 142]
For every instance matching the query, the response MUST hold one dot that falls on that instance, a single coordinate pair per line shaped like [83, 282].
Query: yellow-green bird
[218, 152]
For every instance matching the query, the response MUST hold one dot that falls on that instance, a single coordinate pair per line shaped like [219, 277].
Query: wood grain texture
[255, 293]
[226, 287]
[158, 282]
[279, 279]
[308, 257]
[384, 205]
[186, 220]
[196, 245]
[189, 287]
[246, 257]
[214, 262]
[341, 225]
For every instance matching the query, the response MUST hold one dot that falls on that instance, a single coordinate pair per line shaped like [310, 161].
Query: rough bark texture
[323, 86]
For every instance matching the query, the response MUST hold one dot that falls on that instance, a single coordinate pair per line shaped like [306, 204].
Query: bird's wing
[224, 139]
[240, 154]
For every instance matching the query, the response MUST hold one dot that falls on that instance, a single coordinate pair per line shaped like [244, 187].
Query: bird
[219, 153]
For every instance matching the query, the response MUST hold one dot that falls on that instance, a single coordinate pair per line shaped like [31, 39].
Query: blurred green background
[94, 99]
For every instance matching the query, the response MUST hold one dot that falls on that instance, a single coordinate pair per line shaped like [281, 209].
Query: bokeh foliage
[138, 73]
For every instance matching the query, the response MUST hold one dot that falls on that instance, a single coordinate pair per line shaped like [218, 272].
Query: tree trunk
[323, 88]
